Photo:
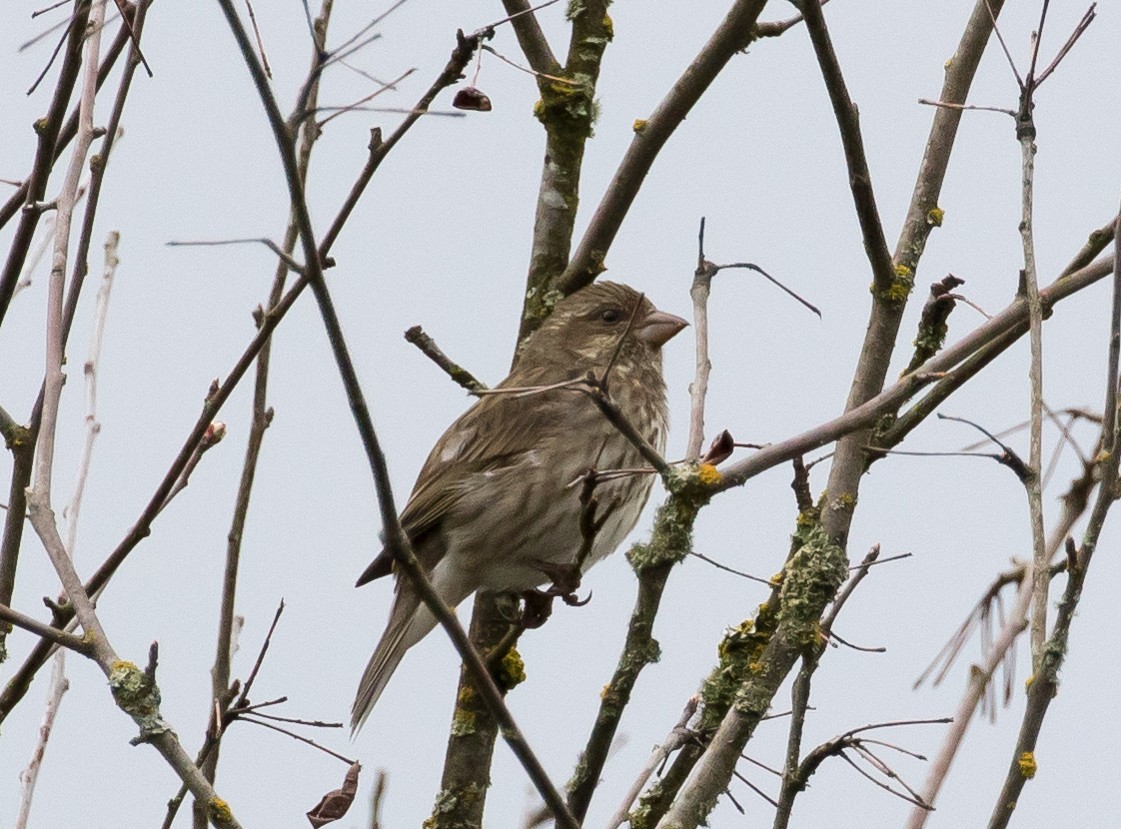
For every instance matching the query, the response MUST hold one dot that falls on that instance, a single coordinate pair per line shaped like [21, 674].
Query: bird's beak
[657, 328]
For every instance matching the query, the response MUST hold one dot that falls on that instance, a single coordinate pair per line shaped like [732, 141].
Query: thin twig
[47, 632]
[285, 256]
[337, 111]
[731, 570]
[698, 389]
[535, 73]
[59, 685]
[300, 737]
[677, 737]
[456, 372]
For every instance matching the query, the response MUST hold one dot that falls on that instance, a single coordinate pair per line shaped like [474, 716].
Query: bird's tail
[409, 622]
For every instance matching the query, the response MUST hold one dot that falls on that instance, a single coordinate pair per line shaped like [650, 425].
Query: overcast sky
[442, 239]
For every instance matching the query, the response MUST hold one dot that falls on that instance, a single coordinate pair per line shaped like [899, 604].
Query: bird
[494, 507]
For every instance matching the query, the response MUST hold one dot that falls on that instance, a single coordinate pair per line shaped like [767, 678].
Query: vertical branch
[1025, 133]
[23, 446]
[698, 389]
[90, 369]
[568, 112]
[59, 684]
[1045, 683]
[53, 376]
[670, 542]
[470, 751]
[792, 781]
[28, 778]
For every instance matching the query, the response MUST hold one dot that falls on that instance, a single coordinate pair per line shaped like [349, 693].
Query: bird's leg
[565, 578]
[537, 609]
[565, 581]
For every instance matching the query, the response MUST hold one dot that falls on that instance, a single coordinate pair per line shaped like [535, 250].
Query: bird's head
[587, 328]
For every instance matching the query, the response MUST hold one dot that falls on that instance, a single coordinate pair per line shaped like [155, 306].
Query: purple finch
[494, 507]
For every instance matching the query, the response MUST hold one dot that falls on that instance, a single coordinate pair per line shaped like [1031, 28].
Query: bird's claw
[572, 600]
[565, 580]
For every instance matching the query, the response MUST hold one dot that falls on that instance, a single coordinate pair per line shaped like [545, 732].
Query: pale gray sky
[442, 239]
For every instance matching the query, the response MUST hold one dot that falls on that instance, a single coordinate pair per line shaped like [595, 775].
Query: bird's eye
[611, 315]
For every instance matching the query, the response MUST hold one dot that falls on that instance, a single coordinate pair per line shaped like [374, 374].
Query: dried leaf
[471, 98]
[722, 446]
[336, 803]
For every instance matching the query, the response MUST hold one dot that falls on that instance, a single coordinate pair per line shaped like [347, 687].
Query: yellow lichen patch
[708, 474]
[935, 215]
[1027, 764]
[609, 27]
[898, 292]
[465, 695]
[19, 436]
[220, 810]
[122, 666]
[604, 691]
[639, 124]
[902, 270]
[513, 669]
[1028, 682]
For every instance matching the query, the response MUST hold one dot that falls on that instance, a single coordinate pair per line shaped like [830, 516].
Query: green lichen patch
[137, 695]
[672, 537]
[463, 722]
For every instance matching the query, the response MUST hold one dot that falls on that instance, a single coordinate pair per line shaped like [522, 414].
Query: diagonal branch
[535, 46]
[732, 35]
[848, 122]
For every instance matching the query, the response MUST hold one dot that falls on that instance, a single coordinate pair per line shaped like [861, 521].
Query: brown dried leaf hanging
[471, 98]
[335, 804]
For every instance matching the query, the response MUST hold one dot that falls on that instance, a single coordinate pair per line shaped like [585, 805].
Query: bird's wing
[497, 432]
